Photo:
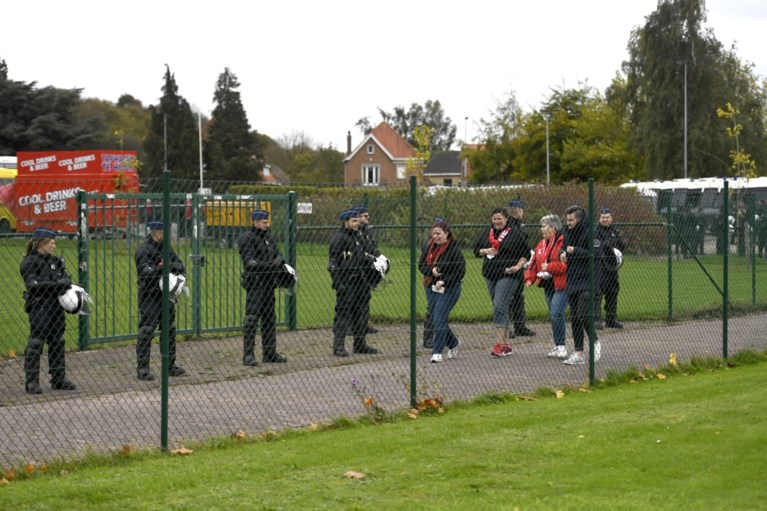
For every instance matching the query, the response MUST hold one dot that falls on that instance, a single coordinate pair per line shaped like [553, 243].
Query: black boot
[274, 358]
[32, 366]
[143, 351]
[63, 384]
[250, 326]
[361, 347]
[338, 348]
[57, 366]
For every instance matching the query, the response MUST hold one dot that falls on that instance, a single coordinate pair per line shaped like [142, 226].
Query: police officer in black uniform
[608, 286]
[262, 262]
[516, 210]
[349, 265]
[149, 265]
[45, 278]
[371, 247]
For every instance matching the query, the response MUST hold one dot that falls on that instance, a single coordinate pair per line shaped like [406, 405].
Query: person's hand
[439, 284]
[563, 257]
[528, 284]
[544, 266]
[435, 271]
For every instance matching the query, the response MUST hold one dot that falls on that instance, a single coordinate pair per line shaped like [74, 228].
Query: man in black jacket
[575, 252]
[349, 265]
[149, 265]
[261, 263]
[517, 307]
[609, 239]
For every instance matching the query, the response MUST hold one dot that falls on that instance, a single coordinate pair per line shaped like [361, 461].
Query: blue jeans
[440, 305]
[501, 293]
[557, 302]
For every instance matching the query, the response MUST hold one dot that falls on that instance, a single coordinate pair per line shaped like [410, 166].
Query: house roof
[444, 162]
[391, 142]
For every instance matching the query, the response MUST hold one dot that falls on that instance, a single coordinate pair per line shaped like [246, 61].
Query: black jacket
[609, 238]
[513, 247]
[368, 241]
[148, 268]
[45, 278]
[261, 258]
[348, 262]
[451, 264]
[578, 261]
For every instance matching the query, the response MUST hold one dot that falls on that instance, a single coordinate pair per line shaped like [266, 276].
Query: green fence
[687, 289]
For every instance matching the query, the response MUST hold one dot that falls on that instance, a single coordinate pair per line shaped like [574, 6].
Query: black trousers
[260, 309]
[351, 313]
[608, 288]
[150, 309]
[579, 316]
[47, 324]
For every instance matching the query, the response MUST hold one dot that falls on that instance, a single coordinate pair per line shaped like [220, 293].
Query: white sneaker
[453, 352]
[597, 351]
[436, 359]
[576, 359]
[558, 352]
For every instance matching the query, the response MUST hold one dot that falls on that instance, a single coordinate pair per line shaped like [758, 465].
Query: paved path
[220, 396]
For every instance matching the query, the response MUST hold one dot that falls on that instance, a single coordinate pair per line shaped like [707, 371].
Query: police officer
[261, 263]
[609, 238]
[45, 278]
[516, 210]
[370, 247]
[149, 266]
[349, 264]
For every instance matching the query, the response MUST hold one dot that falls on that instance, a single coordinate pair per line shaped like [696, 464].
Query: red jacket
[548, 252]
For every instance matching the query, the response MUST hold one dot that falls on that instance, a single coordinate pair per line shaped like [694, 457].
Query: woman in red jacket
[548, 272]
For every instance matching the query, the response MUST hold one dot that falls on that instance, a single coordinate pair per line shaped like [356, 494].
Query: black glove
[64, 283]
[278, 261]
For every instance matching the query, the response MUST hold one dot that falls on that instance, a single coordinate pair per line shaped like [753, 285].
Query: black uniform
[374, 277]
[149, 270]
[608, 285]
[45, 278]
[261, 263]
[350, 270]
[517, 305]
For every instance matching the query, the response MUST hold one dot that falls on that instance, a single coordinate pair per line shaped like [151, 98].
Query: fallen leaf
[125, 451]
[313, 426]
[63, 473]
[661, 376]
[632, 381]
[672, 359]
[412, 415]
[30, 468]
[10, 474]
[354, 475]
[559, 394]
[4, 481]
[368, 402]
[11, 353]
[585, 391]
[239, 435]
[182, 451]
[44, 469]
[440, 410]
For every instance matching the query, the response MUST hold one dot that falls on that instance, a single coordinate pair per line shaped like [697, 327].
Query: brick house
[380, 159]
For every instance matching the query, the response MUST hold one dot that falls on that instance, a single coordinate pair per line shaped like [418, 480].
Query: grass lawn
[684, 442]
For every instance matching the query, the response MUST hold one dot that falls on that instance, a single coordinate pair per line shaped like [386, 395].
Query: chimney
[348, 143]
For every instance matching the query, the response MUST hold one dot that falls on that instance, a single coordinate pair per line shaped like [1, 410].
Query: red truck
[46, 185]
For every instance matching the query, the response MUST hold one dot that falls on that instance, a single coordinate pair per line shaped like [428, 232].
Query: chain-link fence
[673, 283]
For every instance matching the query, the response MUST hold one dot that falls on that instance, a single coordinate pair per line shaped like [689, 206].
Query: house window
[447, 182]
[371, 148]
[401, 171]
[371, 175]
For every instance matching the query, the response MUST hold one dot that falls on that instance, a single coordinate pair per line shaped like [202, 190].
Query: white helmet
[618, 258]
[76, 301]
[381, 264]
[177, 285]
[287, 279]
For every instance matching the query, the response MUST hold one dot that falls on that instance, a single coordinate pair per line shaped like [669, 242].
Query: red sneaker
[501, 350]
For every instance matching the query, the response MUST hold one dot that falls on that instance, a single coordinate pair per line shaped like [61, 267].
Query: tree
[174, 113]
[492, 159]
[672, 44]
[232, 150]
[405, 123]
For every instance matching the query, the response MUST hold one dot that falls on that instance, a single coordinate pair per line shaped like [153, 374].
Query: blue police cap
[605, 211]
[516, 203]
[361, 210]
[155, 225]
[45, 232]
[259, 214]
[349, 213]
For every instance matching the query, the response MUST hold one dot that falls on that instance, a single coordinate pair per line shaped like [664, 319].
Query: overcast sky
[317, 67]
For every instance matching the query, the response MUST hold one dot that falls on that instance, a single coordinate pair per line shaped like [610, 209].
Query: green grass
[692, 441]
[644, 290]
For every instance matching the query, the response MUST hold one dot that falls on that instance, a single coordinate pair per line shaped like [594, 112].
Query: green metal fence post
[726, 270]
[291, 220]
[670, 264]
[413, 275]
[83, 334]
[592, 287]
[166, 240]
[196, 263]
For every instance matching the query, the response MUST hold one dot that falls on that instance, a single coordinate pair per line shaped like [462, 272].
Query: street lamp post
[546, 116]
[685, 119]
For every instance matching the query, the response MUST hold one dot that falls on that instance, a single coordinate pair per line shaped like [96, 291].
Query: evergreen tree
[233, 152]
[182, 136]
[404, 122]
[672, 43]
